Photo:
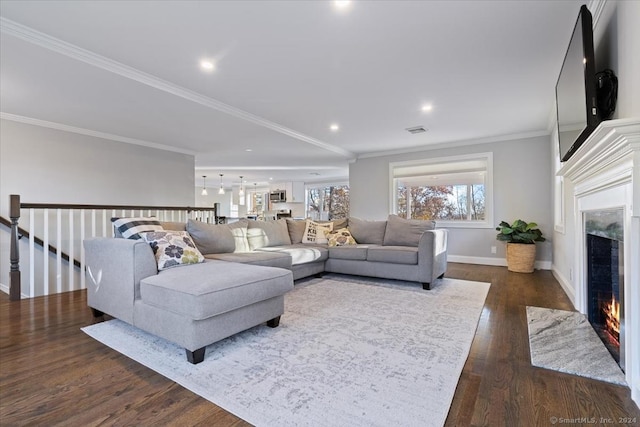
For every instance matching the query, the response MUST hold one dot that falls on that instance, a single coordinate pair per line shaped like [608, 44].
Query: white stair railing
[56, 259]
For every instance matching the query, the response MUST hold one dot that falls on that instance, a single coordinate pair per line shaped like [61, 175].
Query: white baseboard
[502, 262]
[4, 288]
[566, 285]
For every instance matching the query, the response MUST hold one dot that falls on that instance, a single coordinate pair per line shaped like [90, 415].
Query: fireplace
[604, 237]
[602, 179]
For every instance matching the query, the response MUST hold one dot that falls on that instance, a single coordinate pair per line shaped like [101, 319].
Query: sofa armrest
[114, 270]
[432, 252]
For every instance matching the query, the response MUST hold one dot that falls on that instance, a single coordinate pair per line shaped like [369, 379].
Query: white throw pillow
[314, 232]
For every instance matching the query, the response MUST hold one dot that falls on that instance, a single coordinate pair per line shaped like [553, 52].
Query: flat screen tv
[576, 97]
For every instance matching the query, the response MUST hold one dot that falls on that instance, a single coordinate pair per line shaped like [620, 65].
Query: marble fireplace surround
[605, 173]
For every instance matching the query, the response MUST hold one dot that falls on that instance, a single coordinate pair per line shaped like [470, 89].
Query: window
[327, 202]
[456, 191]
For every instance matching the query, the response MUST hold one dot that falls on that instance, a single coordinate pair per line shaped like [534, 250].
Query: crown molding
[452, 144]
[596, 7]
[93, 133]
[268, 168]
[72, 51]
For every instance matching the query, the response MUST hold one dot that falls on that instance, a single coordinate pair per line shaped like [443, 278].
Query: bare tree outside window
[454, 190]
[328, 203]
[444, 202]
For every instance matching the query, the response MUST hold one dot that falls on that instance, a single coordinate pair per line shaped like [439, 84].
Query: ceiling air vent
[417, 129]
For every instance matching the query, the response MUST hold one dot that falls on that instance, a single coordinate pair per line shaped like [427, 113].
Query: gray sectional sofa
[249, 266]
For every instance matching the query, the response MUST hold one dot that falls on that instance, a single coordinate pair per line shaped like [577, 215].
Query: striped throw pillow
[129, 228]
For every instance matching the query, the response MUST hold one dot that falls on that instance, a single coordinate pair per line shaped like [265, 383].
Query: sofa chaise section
[192, 306]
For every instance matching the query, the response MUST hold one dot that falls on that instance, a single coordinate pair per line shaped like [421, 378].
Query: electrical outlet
[493, 249]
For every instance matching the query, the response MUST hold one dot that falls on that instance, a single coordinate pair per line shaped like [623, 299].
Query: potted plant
[521, 237]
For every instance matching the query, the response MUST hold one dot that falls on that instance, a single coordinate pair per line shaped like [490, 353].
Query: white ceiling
[284, 72]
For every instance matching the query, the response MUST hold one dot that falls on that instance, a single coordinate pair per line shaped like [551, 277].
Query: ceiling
[284, 72]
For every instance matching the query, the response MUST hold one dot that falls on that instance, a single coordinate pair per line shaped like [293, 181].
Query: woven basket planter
[521, 257]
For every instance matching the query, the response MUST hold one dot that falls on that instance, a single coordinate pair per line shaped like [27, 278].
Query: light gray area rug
[346, 353]
[565, 341]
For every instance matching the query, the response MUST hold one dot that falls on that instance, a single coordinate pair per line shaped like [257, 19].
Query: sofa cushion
[405, 232]
[219, 238]
[296, 229]
[364, 231]
[338, 223]
[267, 233]
[341, 237]
[269, 259]
[130, 228]
[172, 248]
[302, 253]
[354, 252]
[213, 287]
[314, 232]
[174, 225]
[393, 254]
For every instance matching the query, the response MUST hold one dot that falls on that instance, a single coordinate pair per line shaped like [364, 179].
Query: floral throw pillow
[341, 237]
[172, 248]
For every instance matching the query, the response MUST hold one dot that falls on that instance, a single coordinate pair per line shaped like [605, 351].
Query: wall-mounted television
[576, 97]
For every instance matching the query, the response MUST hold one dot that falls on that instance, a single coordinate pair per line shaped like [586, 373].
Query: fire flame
[612, 311]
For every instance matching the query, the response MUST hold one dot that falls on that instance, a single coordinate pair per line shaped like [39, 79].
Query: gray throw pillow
[174, 225]
[262, 234]
[405, 232]
[364, 231]
[340, 223]
[296, 229]
[217, 238]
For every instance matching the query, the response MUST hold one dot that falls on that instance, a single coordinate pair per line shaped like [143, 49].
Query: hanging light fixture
[221, 190]
[241, 192]
[255, 199]
[204, 186]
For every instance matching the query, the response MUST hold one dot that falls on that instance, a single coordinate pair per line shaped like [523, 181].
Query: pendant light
[255, 199]
[221, 190]
[241, 192]
[204, 186]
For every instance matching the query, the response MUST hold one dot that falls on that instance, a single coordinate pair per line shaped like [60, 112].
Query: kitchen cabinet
[297, 192]
[294, 190]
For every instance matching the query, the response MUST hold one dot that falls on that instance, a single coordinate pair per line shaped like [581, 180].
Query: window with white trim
[327, 201]
[454, 191]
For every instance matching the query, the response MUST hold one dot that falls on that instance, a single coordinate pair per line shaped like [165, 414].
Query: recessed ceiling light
[248, 149]
[342, 4]
[207, 65]
[427, 107]
[334, 127]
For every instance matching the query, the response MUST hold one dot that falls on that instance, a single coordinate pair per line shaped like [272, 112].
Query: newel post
[14, 272]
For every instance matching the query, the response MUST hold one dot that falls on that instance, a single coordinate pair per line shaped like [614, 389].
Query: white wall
[616, 39]
[50, 166]
[522, 182]
[213, 197]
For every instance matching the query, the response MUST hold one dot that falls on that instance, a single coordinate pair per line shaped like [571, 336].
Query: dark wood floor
[51, 373]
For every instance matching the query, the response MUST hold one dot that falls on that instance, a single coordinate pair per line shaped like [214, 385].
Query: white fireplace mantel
[605, 173]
